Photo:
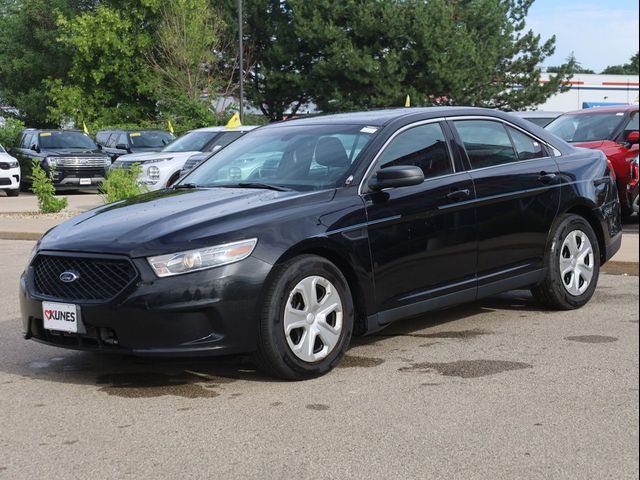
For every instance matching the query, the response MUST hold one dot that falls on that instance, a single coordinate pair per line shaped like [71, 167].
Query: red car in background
[614, 131]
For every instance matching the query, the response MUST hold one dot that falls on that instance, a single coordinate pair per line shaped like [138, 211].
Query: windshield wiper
[266, 186]
[181, 186]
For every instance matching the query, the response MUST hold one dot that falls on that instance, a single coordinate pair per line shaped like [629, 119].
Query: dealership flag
[407, 102]
[84, 128]
[169, 126]
[234, 121]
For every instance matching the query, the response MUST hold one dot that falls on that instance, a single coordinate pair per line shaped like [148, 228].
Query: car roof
[61, 130]
[380, 118]
[612, 109]
[243, 128]
[127, 130]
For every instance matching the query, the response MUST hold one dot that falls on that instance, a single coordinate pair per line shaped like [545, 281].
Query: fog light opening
[108, 336]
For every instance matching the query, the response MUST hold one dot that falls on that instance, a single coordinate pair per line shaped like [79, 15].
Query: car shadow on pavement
[129, 376]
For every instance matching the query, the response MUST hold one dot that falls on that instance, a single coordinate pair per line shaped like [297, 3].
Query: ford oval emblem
[68, 277]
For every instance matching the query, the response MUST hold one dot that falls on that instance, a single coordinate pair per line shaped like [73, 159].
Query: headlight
[107, 162]
[51, 161]
[153, 173]
[14, 164]
[201, 259]
[156, 160]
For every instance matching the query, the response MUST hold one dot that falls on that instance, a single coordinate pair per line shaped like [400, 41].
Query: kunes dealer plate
[63, 317]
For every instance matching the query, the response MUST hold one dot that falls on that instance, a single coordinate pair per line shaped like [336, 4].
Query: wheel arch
[585, 211]
[324, 247]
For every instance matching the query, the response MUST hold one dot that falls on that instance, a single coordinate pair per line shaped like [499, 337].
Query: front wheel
[306, 320]
[572, 265]
[13, 192]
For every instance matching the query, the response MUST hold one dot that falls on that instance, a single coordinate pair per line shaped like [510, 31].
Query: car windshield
[303, 158]
[150, 139]
[586, 127]
[52, 140]
[191, 142]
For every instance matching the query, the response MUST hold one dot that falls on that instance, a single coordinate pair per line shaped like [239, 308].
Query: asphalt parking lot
[496, 389]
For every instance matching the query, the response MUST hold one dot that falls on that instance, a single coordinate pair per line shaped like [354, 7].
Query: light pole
[241, 61]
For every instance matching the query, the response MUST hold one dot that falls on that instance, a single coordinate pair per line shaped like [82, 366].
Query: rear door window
[486, 142]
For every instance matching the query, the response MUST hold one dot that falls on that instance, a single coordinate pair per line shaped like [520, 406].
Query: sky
[600, 33]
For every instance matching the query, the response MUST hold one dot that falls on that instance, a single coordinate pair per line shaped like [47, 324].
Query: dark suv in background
[118, 141]
[76, 161]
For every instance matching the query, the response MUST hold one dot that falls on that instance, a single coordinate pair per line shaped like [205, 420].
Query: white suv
[9, 174]
[162, 169]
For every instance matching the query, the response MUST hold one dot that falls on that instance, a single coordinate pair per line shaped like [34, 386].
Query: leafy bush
[10, 132]
[121, 183]
[43, 188]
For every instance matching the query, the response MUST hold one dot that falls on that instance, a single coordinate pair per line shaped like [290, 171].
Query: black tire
[551, 292]
[274, 356]
[13, 192]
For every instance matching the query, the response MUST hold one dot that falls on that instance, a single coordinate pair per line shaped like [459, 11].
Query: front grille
[97, 279]
[5, 181]
[80, 162]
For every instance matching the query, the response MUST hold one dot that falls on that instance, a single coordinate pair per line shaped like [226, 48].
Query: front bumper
[73, 179]
[212, 312]
[10, 179]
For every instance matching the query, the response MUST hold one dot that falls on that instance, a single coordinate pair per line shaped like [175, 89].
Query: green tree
[577, 67]
[631, 68]
[278, 78]
[480, 53]
[109, 79]
[30, 53]
[355, 51]
[372, 53]
[185, 60]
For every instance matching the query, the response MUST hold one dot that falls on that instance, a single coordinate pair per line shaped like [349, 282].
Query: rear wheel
[306, 321]
[572, 265]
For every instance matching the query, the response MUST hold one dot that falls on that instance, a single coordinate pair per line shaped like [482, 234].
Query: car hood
[143, 157]
[5, 157]
[73, 152]
[173, 220]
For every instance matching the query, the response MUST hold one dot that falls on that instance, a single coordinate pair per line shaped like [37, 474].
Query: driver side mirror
[396, 176]
[632, 137]
[35, 148]
[122, 146]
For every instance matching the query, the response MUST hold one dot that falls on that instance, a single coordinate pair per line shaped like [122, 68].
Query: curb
[20, 236]
[621, 268]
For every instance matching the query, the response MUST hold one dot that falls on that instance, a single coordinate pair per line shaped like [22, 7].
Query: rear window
[586, 127]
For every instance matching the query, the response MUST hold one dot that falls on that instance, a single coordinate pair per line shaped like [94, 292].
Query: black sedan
[303, 233]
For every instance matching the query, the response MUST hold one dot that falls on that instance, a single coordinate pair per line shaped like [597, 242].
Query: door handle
[546, 177]
[458, 194]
